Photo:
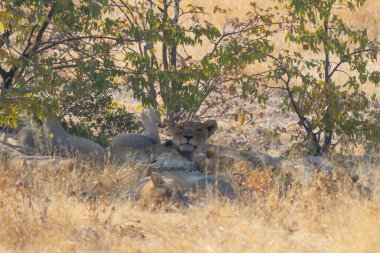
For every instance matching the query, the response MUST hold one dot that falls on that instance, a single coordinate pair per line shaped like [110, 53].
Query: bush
[97, 117]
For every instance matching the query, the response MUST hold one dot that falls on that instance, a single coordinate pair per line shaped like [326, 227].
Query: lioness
[188, 150]
[190, 138]
[190, 135]
[131, 147]
[146, 147]
[174, 188]
[211, 158]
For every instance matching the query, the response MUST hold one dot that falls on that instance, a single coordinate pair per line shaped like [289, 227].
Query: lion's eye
[180, 128]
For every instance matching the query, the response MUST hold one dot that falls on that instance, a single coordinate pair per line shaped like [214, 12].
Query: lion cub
[162, 190]
[178, 188]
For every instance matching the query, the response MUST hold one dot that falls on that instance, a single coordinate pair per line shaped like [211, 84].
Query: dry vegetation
[83, 209]
[367, 17]
[88, 209]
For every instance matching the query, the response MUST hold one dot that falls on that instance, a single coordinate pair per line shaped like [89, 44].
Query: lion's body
[146, 147]
[130, 147]
[175, 187]
[56, 141]
[171, 180]
[159, 190]
[188, 149]
[216, 159]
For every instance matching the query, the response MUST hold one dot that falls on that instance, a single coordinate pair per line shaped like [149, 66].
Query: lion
[187, 136]
[180, 188]
[125, 147]
[147, 147]
[162, 190]
[54, 140]
[211, 158]
[190, 139]
[187, 150]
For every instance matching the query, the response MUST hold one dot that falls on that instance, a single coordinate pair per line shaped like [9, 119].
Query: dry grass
[366, 17]
[87, 210]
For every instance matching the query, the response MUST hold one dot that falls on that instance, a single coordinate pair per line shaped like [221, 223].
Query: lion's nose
[188, 137]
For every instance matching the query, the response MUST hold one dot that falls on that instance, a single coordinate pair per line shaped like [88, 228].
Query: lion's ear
[157, 178]
[211, 126]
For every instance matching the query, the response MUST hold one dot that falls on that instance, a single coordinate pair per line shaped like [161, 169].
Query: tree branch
[303, 120]
[84, 37]
[5, 36]
[43, 29]
[29, 40]
[345, 59]
[3, 73]
[8, 77]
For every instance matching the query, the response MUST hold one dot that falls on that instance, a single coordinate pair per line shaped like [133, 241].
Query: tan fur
[141, 148]
[132, 148]
[191, 138]
[174, 188]
[56, 141]
[158, 191]
[189, 135]
[211, 158]
[189, 149]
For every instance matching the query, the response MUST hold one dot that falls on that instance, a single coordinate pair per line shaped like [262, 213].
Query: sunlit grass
[87, 210]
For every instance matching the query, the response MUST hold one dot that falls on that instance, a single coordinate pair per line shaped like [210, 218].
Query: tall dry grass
[88, 209]
[83, 209]
[366, 17]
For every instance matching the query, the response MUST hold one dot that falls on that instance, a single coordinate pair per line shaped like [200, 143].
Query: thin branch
[5, 36]
[303, 120]
[345, 59]
[11, 73]
[29, 43]
[84, 37]
[65, 66]
[43, 28]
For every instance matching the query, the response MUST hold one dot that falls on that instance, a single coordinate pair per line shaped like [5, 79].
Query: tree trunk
[327, 131]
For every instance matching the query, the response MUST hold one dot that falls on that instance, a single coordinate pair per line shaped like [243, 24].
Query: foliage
[51, 51]
[96, 116]
[373, 134]
[326, 90]
[184, 86]
[65, 58]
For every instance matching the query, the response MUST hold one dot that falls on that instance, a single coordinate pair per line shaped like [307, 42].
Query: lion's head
[158, 193]
[189, 135]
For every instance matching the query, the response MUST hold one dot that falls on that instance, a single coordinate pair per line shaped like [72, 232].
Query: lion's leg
[207, 159]
[202, 162]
